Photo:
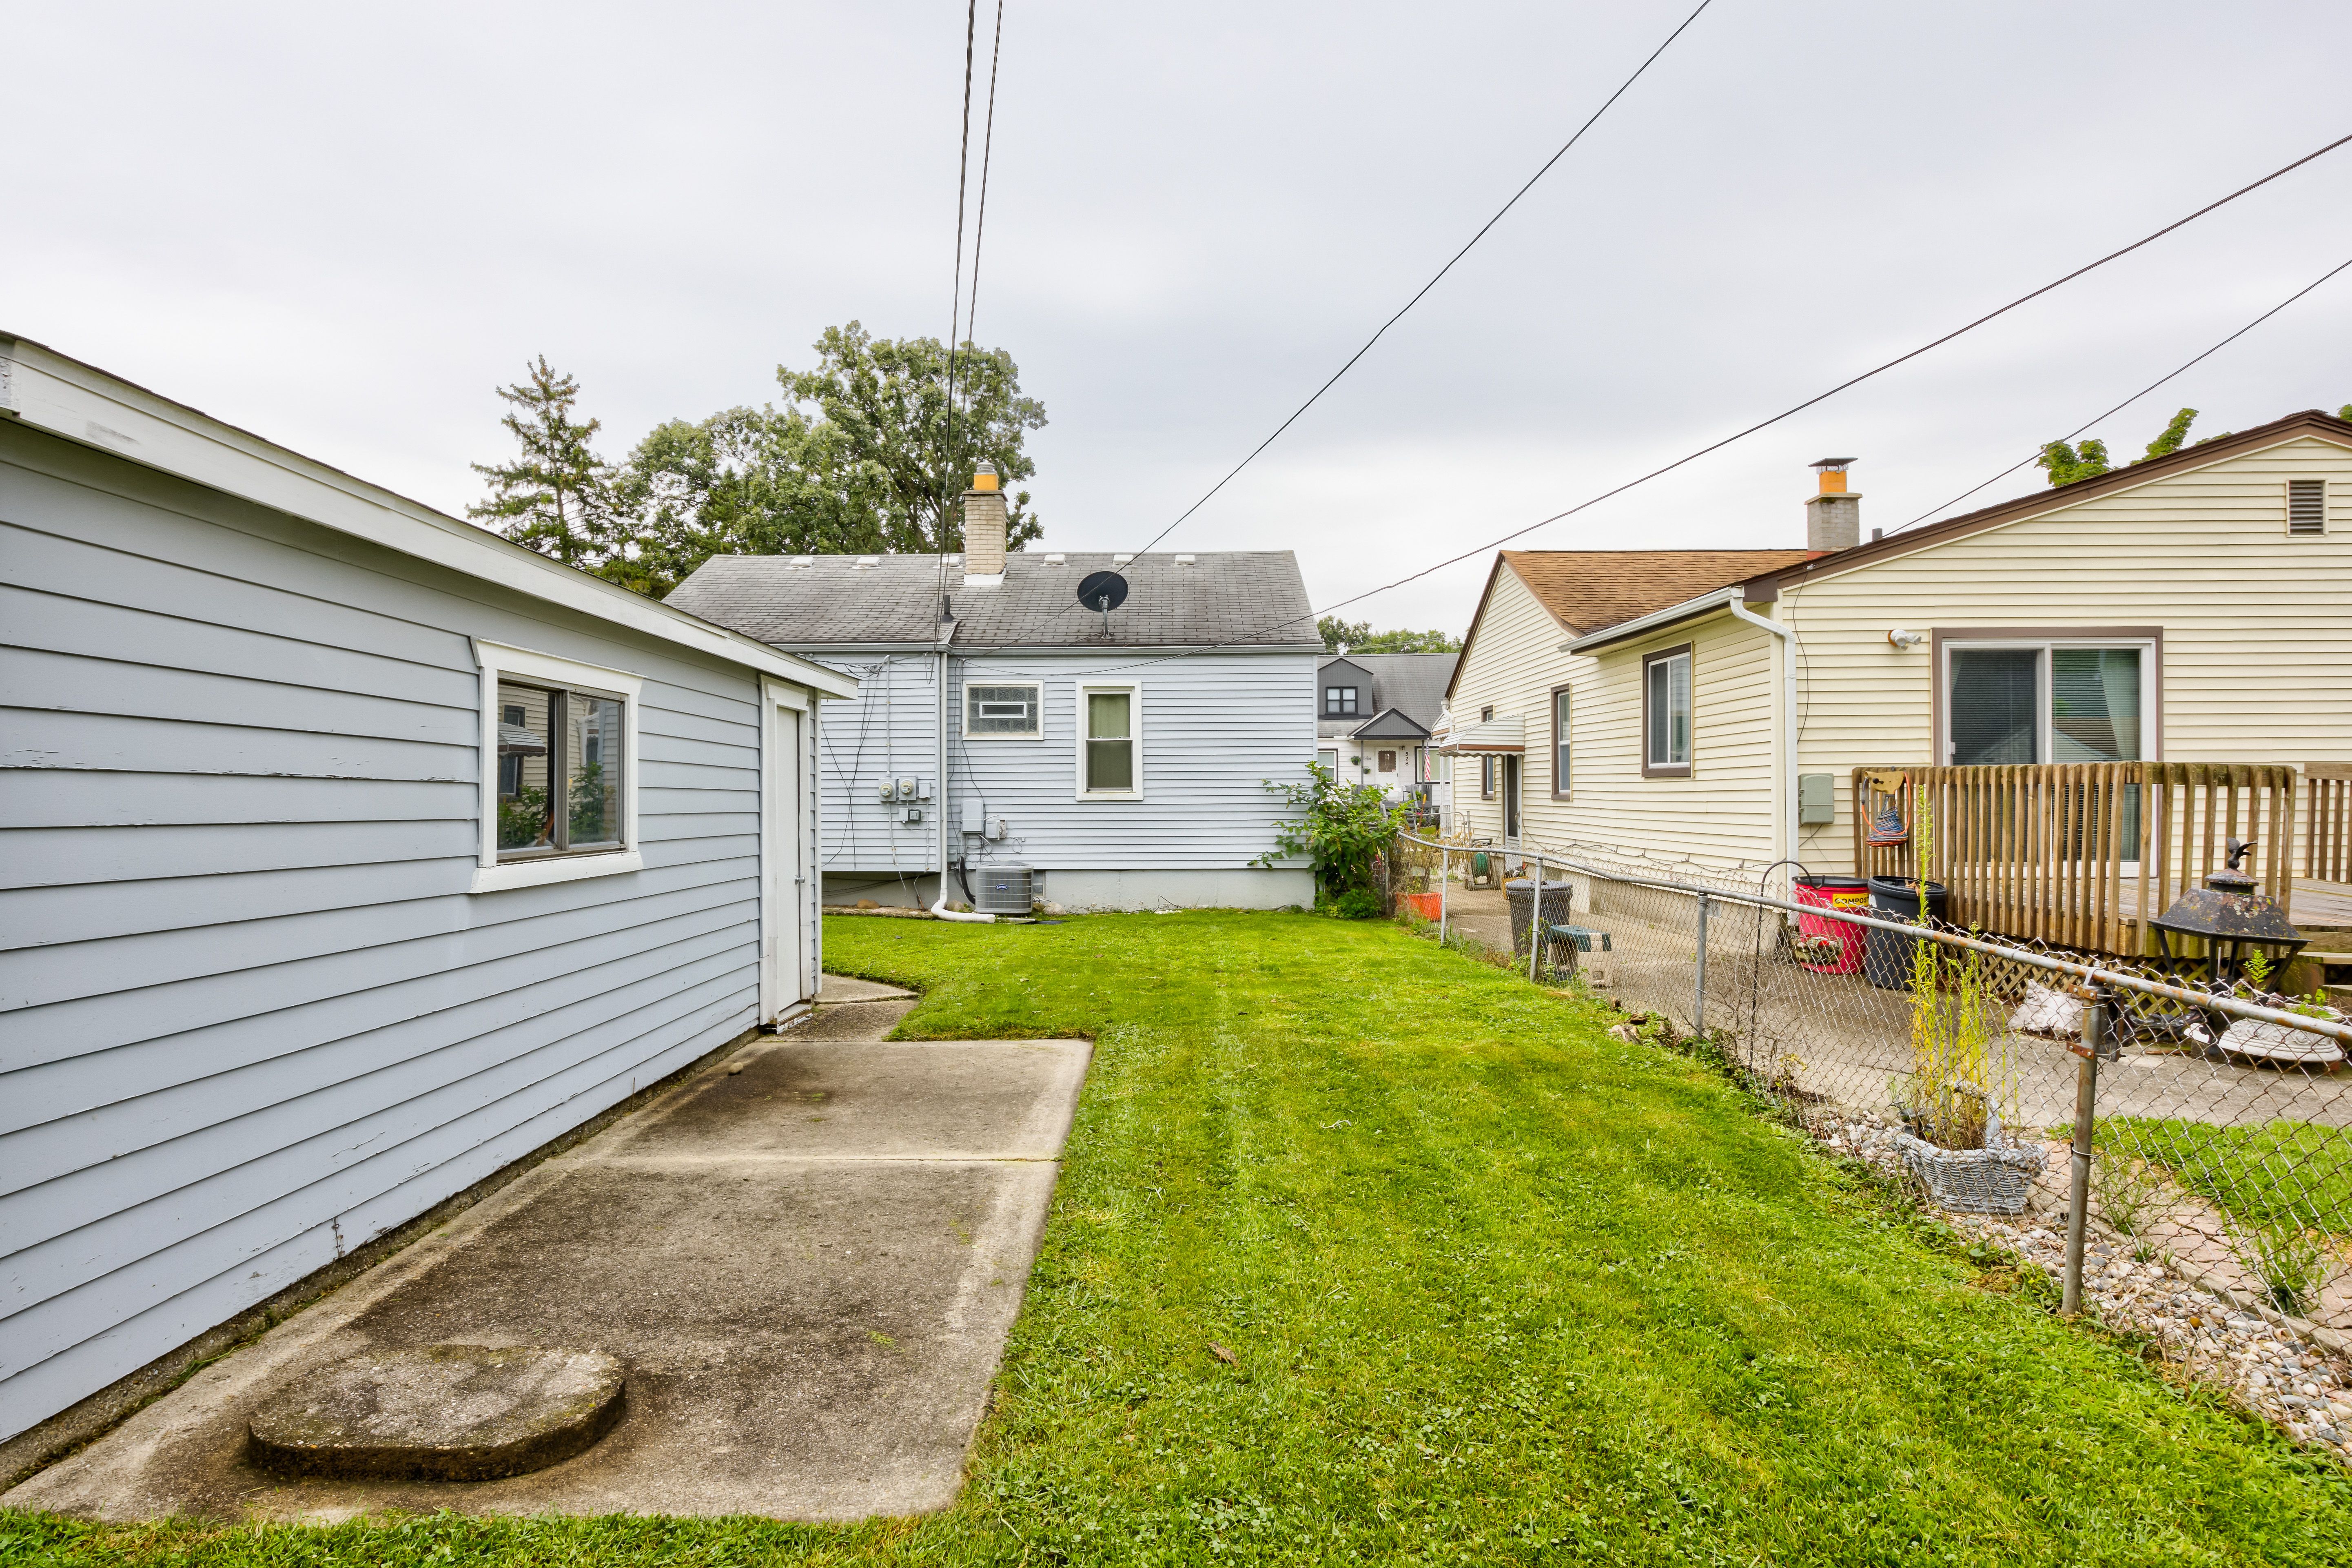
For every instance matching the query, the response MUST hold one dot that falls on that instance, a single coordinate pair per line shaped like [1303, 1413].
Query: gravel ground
[2287, 1378]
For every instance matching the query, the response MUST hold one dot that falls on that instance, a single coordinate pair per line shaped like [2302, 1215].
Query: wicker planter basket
[1994, 1179]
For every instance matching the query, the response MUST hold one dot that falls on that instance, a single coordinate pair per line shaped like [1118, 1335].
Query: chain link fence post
[1534, 923]
[1698, 1010]
[2092, 1046]
[1444, 881]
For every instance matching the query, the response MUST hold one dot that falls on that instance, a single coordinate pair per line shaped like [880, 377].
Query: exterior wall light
[1905, 641]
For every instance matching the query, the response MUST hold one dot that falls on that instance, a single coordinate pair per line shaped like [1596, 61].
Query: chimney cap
[984, 477]
[1833, 463]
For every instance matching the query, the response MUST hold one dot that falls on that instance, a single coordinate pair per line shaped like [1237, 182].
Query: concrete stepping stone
[450, 1413]
[833, 988]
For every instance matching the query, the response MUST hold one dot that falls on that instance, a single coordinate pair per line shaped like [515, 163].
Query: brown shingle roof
[1592, 590]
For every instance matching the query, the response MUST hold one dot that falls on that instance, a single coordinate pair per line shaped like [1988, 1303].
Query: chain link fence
[2216, 1129]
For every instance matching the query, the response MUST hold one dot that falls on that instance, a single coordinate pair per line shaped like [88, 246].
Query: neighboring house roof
[91, 407]
[1412, 686]
[1588, 590]
[1764, 587]
[1249, 599]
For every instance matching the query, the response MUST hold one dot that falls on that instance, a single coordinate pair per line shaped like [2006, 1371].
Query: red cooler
[1837, 893]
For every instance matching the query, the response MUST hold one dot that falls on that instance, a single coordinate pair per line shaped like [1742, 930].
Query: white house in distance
[1712, 705]
[1121, 757]
[1376, 714]
[348, 853]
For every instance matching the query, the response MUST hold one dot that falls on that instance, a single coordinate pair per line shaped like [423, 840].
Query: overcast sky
[341, 228]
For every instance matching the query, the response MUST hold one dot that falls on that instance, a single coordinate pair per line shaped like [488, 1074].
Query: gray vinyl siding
[250, 1017]
[888, 731]
[1216, 726]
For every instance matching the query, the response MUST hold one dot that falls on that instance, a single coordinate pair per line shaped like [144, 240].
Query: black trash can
[1521, 892]
[1886, 956]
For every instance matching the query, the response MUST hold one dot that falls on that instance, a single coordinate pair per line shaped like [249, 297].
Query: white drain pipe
[940, 803]
[1788, 650]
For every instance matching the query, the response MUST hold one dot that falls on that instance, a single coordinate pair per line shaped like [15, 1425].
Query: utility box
[972, 820]
[1816, 799]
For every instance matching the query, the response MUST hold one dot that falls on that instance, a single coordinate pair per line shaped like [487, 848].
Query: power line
[2135, 396]
[1775, 420]
[987, 145]
[1434, 281]
[955, 290]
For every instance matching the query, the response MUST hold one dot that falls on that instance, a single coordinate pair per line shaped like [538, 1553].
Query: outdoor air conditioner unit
[1001, 889]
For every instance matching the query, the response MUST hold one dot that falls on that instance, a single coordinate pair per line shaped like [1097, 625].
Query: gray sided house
[1121, 757]
[351, 853]
[1374, 716]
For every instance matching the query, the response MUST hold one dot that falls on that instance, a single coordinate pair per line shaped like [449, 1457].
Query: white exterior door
[783, 870]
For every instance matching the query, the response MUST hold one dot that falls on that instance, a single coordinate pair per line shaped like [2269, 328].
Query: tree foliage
[557, 495]
[1340, 828]
[1358, 636]
[862, 456]
[2065, 464]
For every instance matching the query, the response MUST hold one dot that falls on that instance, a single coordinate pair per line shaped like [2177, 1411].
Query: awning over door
[1507, 733]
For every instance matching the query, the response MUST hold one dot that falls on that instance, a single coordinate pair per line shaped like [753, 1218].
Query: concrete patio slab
[807, 1271]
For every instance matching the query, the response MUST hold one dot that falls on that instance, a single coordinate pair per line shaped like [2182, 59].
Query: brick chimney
[1833, 517]
[984, 522]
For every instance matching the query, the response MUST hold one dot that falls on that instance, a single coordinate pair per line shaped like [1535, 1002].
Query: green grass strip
[2281, 1173]
[1500, 1289]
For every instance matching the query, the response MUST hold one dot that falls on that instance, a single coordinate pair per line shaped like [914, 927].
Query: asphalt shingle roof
[1250, 598]
[1413, 683]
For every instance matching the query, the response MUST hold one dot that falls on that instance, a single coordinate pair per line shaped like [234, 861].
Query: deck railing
[2328, 811]
[2079, 855]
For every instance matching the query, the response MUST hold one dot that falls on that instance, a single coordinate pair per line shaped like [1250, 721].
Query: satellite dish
[1104, 591]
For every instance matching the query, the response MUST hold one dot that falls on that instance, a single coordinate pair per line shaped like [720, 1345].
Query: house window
[1487, 776]
[1338, 700]
[1560, 743]
[1003, 713]
[1666, 713]
[2019, 697]
[1329, 759]
[562, 758]
[2306, 506]
[1109, 764]
[1387, 761]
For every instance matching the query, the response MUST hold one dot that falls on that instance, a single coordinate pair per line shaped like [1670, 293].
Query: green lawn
[1500, 1289]
[2295, 1174]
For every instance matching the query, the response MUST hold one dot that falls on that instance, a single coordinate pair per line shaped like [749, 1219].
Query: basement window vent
[2306, 506]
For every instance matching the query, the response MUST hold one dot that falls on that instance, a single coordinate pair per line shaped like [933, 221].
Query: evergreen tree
[556, 496]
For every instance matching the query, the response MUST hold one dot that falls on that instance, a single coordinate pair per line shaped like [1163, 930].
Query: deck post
[2092, 1045]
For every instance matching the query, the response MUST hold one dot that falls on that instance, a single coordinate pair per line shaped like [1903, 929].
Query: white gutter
[1735, 600]
[86, 405]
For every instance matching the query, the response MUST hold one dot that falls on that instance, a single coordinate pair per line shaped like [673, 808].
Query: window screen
[1668, 701]
[1001, 710]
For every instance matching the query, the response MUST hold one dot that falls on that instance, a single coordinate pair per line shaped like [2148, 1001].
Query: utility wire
[2135, 397]
[1434, 281]
[955, 290]
[1763, 424]
[987, 145]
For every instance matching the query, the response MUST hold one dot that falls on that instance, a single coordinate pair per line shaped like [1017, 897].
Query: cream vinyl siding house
[2251, 625]
[2224, 634]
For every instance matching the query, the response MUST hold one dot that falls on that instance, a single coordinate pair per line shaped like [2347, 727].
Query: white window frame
[2150, 719]
[1036, 708]
[498, 660]
[1134, 693]
[1651, 767]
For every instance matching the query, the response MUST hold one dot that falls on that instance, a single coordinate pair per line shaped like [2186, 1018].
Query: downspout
[1787, 783]
[940, 803]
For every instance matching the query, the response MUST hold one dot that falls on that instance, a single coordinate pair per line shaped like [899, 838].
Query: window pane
[592, 768]
[1993, 706]
[2094, 705]
[1106, 715]
[1560, 728]
[1110, 764]
[526, 806]
[1000, 710]
[1679, 698]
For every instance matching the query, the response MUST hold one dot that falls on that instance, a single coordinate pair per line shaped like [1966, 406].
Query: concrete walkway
[806, 1259]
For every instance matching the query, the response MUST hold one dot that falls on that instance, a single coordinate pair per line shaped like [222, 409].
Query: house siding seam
[253, 1016]
[2257, 646]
